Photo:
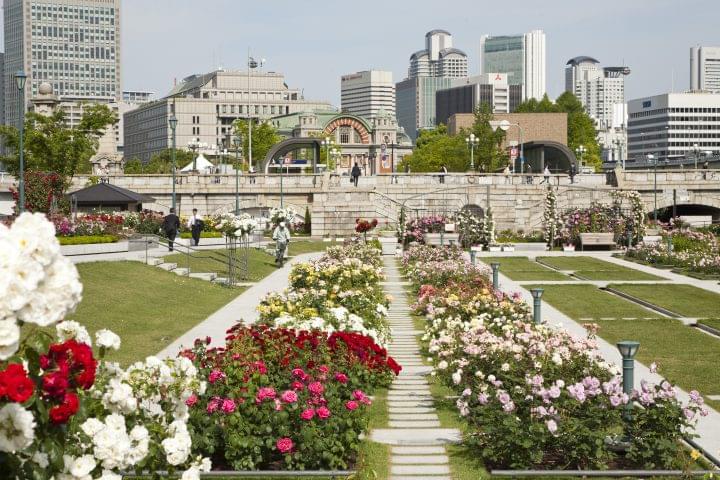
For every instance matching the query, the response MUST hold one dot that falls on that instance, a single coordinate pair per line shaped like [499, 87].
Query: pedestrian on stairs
[171, 226]
[195, 224]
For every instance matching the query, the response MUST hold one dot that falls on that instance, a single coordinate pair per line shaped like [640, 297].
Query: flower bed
[692, 251]
[537, 396]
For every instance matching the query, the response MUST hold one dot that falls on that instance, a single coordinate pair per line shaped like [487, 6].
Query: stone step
[420, 450]
[414, 423]
[208, 277]
[413, 410]
[420, 477]
[169, 267]
[401, 381]
[405, 417]
[154, 261]
[415, 437]
[181, 271]
[419, 460]
[403, 389]
[419, 470]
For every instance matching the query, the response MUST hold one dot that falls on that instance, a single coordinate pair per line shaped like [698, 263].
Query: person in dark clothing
[529, 178]
[171, 226]
[705, 166]
[443, 171]
[573, 172]
[196, 224]
[355, 174]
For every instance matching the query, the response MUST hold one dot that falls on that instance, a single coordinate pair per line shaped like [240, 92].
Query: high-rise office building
[602, 93]
[74, 45]
[367, 93]
[522, 57]
[465, 94]
[705, 69]
[430, 70]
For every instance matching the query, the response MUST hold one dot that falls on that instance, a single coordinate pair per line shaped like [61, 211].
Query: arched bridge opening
[294, 155]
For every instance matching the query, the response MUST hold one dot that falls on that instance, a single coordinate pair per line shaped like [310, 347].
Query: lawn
[587, 301]
[684, 300]
[711, 322]
[522, 269]
[146, 306]
[596, 269]
[685, 355]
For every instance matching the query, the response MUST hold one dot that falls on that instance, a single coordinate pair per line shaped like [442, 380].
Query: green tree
[488, 153]
[581, 128]
[264, 136]
[52, 146]
[435, 148]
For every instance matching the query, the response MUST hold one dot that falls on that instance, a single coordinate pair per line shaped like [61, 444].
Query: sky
[315, 42]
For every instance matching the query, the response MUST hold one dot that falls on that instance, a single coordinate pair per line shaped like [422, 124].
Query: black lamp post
[173, 126]
[20, 79]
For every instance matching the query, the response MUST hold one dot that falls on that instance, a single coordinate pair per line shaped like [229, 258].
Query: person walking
[281, 235]
[705, 167]
[573, 172]
[251, 171]
[443, 171]
[355, 174]
[506, 172]
[171, 226]
[195, 224]
[546, 175]
[529, 178]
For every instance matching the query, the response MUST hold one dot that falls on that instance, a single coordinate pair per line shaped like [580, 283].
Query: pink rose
[323, 412]
[278, 405]
[298, 372]
[213, 404]
[284, 445]
[289, 396]
[351, 405]
[298, 386]
[228, 406]
[192, 400]
[307, 414]
[265, 393]
[341, 377]
[323, 369]
[316, 388]
[216, 375]
[358, 394]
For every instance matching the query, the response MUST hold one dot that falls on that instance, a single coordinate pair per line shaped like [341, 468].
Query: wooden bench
[597, 239]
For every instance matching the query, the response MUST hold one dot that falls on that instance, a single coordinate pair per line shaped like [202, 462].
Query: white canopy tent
[202, 165]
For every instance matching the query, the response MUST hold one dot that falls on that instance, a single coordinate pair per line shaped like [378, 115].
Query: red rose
[15, 384]
[284, 445]
[60, 414]
[55, 384]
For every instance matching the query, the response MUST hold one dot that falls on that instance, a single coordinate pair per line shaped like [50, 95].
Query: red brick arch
[349, 122]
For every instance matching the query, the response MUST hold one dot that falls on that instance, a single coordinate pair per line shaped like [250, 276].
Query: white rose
[81, 466]
[17, 428]
[108, 475]
[107, 339]
[9, 338]
[71, 330]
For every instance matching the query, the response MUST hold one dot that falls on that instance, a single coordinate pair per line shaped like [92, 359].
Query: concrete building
[467, 93]
[206, 105]
[602, 93]
[522, 57]
[2, 88]
[705, 69]
[74, 45]
[376, 144]
[137, 96]
[368, 92]
[673, 125]
[430, 70]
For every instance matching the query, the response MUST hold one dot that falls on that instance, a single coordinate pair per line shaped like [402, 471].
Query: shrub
[202, 234]
[87, 239]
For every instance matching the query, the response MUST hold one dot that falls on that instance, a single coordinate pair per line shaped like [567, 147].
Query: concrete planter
[94, 248]
[389, 245]
[508, 248]
[568, 248]
[494, 248]
[438, 239]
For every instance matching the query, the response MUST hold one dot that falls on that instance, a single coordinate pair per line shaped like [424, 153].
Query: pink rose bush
[535, 395]
[691, 250]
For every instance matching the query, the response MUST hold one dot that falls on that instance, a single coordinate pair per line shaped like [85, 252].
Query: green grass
[522, 269]
[260, 263]
[465, 463]
[685, 355]
[587, 301]
[684, 300]
[146, 306]
[711, 322]
[596, 269]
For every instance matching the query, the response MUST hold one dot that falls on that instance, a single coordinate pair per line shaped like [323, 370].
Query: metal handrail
[603, 473]
[263, 473]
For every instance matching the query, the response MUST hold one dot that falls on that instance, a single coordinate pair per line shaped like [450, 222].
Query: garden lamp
[628, 349]
[537, 304]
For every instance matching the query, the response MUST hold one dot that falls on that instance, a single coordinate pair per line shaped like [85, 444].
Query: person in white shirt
[546, 174]
[195, 223]
[281, 235]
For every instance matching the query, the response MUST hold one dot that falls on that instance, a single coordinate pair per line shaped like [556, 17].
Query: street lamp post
[279, 163]
[327, 143]
[650, 157]
[495, 271]
[537, 304]
[334, 154]
[472, 142]
[237, 141]
[696, 149]
[628, 350]
[252, 64]
[505, 125]
[173, 126]
[580, 150]
[20, 79]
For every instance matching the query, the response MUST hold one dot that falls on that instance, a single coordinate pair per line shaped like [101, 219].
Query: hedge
[87, 239]
[202, 235]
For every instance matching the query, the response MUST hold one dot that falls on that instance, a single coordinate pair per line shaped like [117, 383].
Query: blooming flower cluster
[415, 230]
[234, 225]
[533, 393]
[692, 250]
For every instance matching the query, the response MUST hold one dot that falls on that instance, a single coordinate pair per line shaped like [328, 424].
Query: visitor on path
[355, 174]
[506, 172]
[529, 178]
[251, 171]
[170, 226]
[443, 172]
[546, 175]
[281, 235]
[573, 172]
[195, 224]
[705, 168]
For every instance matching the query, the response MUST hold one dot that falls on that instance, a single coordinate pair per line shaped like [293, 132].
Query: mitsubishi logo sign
[498, 76]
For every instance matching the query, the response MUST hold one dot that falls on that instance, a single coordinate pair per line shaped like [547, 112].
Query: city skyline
[180, 41]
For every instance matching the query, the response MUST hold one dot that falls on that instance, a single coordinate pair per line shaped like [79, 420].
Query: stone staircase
[414, 431]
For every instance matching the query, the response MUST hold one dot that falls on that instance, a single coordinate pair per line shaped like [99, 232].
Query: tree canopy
[160, 162]
[264, 136]
[50, 145]
[581, 128]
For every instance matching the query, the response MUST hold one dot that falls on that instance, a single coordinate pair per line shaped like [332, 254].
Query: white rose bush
[65, 413]
[535, 395]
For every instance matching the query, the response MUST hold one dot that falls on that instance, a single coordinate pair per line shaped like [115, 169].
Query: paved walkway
[708, 428]
[414, 431]
[242, 308]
